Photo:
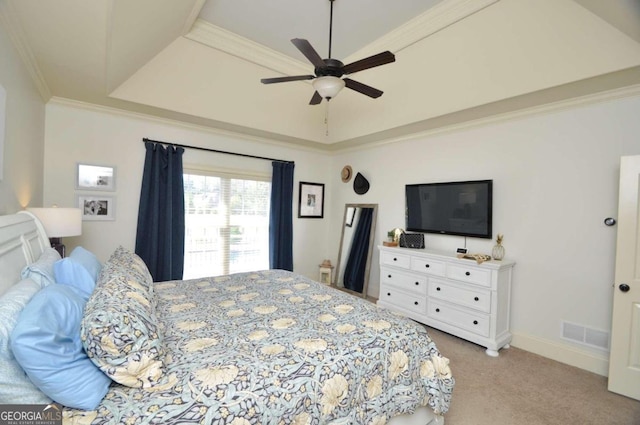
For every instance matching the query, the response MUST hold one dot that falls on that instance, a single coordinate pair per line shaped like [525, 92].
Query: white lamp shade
[59, 222]
[329, 86]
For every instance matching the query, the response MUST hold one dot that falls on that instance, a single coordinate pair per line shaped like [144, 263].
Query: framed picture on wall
[96, 177]
[97, 207]
[311, 201]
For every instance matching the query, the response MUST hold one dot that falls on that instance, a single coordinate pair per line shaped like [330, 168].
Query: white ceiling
[201, 61]
[356, 23]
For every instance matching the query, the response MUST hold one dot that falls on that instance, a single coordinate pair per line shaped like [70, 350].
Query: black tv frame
[487, 235]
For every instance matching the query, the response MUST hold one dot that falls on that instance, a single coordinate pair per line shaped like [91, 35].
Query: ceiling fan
[328, 79]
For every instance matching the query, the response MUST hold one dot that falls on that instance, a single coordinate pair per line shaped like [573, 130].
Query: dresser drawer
[395, 259]
[477, 299]
[405, 281]
[413, 302]
[455, 295]
[469, 274]
[432, 267]
[477, 323]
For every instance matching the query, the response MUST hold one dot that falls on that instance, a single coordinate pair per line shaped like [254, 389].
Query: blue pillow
[88, 260]
[15, 386]
[46, 343]
[70, 272]
[41, 271]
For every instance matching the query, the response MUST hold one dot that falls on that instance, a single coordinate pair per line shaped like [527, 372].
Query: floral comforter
[273, 347]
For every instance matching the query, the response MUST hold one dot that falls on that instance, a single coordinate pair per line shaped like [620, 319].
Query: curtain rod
[217, 151]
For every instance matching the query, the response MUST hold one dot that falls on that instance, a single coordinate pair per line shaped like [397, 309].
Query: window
[226, 223]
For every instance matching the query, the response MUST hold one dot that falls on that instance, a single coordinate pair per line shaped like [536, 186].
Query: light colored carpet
[519, 387]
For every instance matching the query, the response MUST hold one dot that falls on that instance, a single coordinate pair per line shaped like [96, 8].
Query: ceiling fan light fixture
[328, 86]
[327, 81]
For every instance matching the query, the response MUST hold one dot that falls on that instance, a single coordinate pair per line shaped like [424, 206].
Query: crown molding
[347, 145]
[442, 15]
[553, 107]
[220, 39]
[433, 20]
[10, 21]
[193, 16]
[298, 144]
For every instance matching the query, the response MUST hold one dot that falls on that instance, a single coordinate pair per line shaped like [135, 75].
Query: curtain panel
[161, 221]
[281, 217]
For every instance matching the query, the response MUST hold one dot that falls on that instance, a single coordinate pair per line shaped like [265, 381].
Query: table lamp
[59, 223]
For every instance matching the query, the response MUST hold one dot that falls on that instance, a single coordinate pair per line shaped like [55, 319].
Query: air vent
[596, 338]
[585, 336]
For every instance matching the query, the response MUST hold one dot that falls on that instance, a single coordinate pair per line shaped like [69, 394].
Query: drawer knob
[416, 303]
[468, 273]
[437, 310]
[389, 276]
[476, 299]
[417, 283]
[475, 322]
[388, 294]
[395, 259]
[426, 265]
[438, 288]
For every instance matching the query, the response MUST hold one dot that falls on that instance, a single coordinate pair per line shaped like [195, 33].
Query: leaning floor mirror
[356, 247]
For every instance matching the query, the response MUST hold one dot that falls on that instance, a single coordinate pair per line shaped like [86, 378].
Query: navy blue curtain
[281, 217]
[160, 233]
[357, 261]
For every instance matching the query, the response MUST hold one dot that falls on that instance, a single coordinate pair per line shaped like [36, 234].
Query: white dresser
[457, 296]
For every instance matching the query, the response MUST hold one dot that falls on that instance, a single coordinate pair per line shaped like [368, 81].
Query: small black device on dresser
[412, 240]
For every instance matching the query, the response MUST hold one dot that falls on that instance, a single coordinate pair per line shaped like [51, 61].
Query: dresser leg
[492, 353]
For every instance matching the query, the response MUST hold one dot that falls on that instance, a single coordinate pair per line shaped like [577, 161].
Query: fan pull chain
[326, 119]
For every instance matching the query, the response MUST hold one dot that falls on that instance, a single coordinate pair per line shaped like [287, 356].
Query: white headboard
[22, 240]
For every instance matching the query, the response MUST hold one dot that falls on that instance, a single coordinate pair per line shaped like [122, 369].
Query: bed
[266, 347]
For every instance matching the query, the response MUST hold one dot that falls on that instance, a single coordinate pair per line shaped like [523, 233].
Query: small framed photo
[96, 177]
[311, 203]
[97, 207]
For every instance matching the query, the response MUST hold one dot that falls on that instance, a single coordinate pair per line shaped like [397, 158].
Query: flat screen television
[451, 208]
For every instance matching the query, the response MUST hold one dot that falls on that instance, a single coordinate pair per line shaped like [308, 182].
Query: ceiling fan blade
[315, 99]
[362, 88]
[285, 79]
[370, 62]
[308, 51]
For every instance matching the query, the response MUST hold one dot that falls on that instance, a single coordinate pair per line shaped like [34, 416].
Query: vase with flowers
[393, 236]
[498, 250]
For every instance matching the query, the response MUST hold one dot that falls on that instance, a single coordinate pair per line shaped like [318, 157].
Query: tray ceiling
[201, 61]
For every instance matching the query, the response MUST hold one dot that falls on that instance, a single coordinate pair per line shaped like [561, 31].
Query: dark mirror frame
[372, 233]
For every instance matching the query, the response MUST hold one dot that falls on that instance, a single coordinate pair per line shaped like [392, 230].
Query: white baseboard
[563, 353]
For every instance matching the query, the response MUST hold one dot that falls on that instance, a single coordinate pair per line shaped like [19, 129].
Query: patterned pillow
[119, 329]
[124, 258]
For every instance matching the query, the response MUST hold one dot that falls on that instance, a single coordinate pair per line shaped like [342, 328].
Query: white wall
[555, 180]
[99, 136]
[21, 184]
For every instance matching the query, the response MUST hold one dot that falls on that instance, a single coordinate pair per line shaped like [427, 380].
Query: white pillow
[41, 271]
[15, 385]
